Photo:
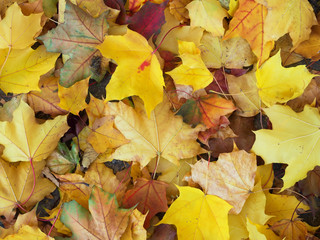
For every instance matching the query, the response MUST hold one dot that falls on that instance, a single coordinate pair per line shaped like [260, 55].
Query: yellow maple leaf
[208, 15]
[28, 232]
[73, 99]
[192, 71]
[294, 17]
[138, 72]
[17, 182]
[25, 139]
[170, 33]
[198, 216]
[20, 69]
[16, 30]
[277, 84]
[163, 135]
[294, 140]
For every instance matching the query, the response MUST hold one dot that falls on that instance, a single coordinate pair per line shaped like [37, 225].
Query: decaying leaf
[230, 178]
[104, 220]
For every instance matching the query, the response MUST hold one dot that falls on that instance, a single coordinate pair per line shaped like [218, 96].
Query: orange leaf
[248, 22]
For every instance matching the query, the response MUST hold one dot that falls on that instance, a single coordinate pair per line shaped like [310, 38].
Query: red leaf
[150, 196]
[149, 19]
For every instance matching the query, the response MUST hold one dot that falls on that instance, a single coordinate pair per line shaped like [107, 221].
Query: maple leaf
[16, 30]
[104, 220]
[298, 132]
[310, 47]
[163, 135]
[20, 69]
[245, 93]
[192, 71]
[94, 7]
[290, 229]
[198, 216]
[230, 178]
[150, 195]
[148, 20]
[135, 229]
[73, 99]
[75, 188]
[277, 84]
[25, 139]
[282, 207]
[28, 232]
[248, 22]
[207, 14]
[63, 160]
[205, 109]
[138, 72]
[47, 100]
[77, 37]
[17, 183]
[170, 33]
[230, 53]
[294, 17]
[28, 218]
[101, 176]
[104, 135]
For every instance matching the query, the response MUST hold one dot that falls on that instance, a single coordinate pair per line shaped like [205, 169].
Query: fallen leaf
[290, 229]
[47, 100]
[192, 71]
[101, 176]
[294, 17]
[248, 22]
[77, 37]
[198, 216]
[205, 109]
[17, 182]
[245, 93]
[150, 195]
[63, 160]
[282, 207]
[161, 135]
[94, 7]
[104, 135]
[135, 229]
[21, 68]
[28, 232]
[73, 99]
[75, 187]
[138, 72]
[277, 84]
[148, 20]
[171, 31]
[311, 46]
[208, 15]
[18, 31]
[178, 10]
[24, 139]
[230, 178]
[104, 220]
[298, 132]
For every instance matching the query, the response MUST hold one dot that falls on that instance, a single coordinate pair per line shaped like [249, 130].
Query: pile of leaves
[176, 119]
